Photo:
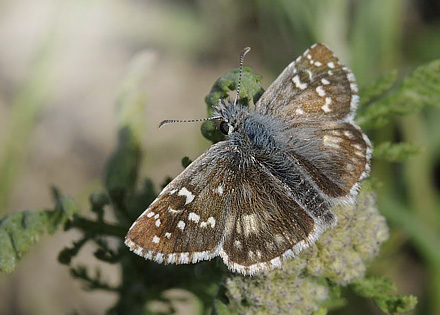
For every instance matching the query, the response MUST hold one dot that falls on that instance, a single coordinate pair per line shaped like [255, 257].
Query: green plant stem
[99, 228]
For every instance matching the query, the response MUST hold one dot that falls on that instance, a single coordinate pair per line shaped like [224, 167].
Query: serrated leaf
[377, 89]
[379, 290]
[394, 152]
[420, 89]
[20, 230]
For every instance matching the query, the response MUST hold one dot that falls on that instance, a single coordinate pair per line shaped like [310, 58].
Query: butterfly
[266, 192]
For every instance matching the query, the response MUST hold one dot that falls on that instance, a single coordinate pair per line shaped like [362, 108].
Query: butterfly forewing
[186, 222]
[314, 87]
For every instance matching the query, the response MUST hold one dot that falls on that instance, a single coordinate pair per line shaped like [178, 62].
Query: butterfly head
[229, 116]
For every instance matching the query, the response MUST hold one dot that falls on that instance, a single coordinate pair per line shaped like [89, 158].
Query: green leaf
[378, 289]
[20, 230]
[250, 90]
[377, 89]
[420, 89]
[394, 152]
[250, 87]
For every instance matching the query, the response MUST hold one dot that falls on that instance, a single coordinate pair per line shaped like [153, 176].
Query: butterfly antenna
[243, 53]
[172, 121]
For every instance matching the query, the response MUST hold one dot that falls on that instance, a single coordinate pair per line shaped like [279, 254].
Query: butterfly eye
[224, 127]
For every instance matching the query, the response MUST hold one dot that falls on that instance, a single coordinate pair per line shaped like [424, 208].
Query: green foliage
[379, 290]
[21, 230]
[394, 152]
[420, 89]
[377, 89]
[251, 89]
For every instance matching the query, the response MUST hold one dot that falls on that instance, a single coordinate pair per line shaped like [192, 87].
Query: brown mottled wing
[316, 86]
[225, 203]
[336, 155]
[186, 222]
[316, 97]
[266, 224]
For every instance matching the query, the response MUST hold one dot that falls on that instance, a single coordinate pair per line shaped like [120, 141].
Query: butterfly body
[265, 193]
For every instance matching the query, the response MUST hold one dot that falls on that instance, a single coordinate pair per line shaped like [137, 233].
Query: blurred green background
[61, 66]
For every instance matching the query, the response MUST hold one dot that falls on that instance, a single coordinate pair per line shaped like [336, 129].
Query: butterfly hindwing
[335, 155]
[266, 224]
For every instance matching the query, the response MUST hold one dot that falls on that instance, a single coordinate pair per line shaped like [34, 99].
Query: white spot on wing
[326, 107]
[185, 192]
[168, 235]
[249, 224]
[156, 216]
[181, 225]
[331, 141]
[211, 221]
[171, 210]
[158, 222]
[298, 83]
[156, 239]
[150, 214]
[325, 82]
[219, 190]
[320, 91]
[299, 111]
[348, 134]
[331, 65]
[318, 64]
[194, 217]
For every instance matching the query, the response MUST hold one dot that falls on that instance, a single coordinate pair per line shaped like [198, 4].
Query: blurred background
[61, 68]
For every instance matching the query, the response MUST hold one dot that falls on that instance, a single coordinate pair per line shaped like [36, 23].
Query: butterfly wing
[267, 223]
[316, 86]
[335, 155]
[226, 203]
[185, 224]
[316, 98]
